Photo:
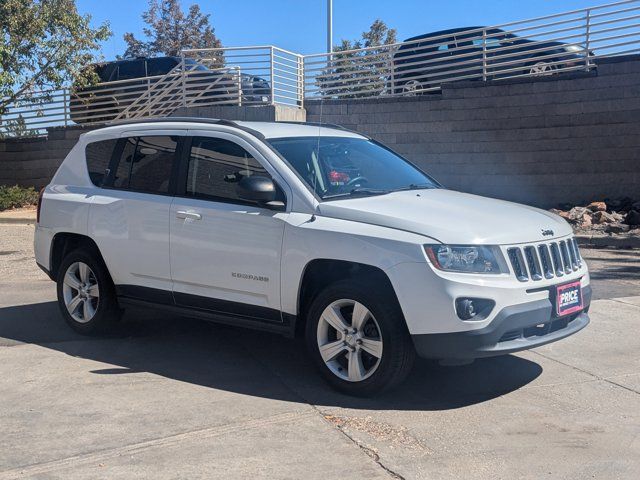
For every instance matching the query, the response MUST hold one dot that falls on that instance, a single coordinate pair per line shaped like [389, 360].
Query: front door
[225, 252]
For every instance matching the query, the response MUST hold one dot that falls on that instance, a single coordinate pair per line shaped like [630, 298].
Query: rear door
[225, 251]
[129, 217]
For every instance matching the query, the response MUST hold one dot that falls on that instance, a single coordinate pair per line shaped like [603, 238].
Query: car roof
[446, 32]
[298, 129]
[261, 129]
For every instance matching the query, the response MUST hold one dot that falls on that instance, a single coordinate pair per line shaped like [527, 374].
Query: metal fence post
[65, 102]
[239, 75]
[272, 77]
[301, 85]
[484, 54]
[588, 39]
[182, 74]
[149, 98]
[393, 72]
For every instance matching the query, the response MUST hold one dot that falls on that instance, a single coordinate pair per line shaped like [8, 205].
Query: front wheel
[358, 339]
[542, 69]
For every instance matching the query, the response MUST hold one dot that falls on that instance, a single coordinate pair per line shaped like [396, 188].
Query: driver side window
[216, 166]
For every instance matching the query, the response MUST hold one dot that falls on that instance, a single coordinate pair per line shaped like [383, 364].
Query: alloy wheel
[542, 68]
[411, 88]
[349, 340]
[81, 292]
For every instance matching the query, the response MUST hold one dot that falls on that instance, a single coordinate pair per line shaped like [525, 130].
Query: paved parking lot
[177, 398]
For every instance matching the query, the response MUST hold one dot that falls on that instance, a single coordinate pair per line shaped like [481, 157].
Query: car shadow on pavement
[251, 363]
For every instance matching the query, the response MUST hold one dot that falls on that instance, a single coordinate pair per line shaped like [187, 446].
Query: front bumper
[515, 328]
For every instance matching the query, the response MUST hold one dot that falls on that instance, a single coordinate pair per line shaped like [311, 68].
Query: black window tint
[131, 69]
[151, 169]
[160, 66]
[216, 166]
[98, 155]
[121, 176]
[145, 164]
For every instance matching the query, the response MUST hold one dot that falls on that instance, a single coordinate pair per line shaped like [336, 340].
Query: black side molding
[212, 309]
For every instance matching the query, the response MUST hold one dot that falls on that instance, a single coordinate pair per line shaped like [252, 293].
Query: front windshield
[193, 65]
[336, 167]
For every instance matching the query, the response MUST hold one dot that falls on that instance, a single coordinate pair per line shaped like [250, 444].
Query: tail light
[39, 205]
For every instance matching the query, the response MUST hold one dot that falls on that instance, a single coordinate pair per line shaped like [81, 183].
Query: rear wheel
[86, 295]
[357, 337]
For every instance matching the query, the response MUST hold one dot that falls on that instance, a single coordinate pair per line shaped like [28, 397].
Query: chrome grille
[547, 260]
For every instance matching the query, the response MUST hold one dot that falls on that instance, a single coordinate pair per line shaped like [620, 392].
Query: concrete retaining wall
[33, 161]
[537, 141]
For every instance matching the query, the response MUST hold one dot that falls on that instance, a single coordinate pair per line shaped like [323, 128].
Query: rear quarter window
[98, 156]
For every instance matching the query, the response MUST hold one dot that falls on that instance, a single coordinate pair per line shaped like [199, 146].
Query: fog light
[473, 308]
[465, 308]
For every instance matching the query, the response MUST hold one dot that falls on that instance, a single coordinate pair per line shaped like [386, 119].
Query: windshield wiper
[360, 191]
[414, 186]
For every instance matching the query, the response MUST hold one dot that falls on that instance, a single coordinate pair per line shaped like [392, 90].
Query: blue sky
[300, 25]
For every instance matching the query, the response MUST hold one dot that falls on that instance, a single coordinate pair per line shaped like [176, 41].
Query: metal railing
[543, 46]
[249, 76]
[267, 75]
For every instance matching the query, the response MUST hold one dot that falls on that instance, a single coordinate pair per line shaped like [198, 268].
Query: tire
[381, 320]
[84, 279]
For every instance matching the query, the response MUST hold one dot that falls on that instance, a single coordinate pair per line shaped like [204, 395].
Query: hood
[451, 217]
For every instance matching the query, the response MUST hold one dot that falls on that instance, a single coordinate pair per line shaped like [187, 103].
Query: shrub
[16, 197]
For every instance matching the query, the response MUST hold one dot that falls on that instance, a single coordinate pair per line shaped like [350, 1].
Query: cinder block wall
[542, 141]
[33, 161]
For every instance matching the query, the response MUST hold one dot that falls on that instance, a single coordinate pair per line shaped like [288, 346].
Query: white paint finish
[308, 238]
[228, 239]
[451, 217]
[132, 233]
[427, 296]
[64, 209]
[284, 129]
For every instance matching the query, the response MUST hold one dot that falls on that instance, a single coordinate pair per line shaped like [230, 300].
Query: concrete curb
[17, 221]
[615, 241]
[19, 216]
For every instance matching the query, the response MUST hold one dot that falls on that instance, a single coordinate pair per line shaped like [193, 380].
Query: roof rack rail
[211, 121]
[317, 124]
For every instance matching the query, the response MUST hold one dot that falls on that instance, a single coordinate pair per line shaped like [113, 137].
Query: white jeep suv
[305, 230]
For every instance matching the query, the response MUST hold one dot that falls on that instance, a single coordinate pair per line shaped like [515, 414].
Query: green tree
[363, 72]
[169, 30]
[45, 45]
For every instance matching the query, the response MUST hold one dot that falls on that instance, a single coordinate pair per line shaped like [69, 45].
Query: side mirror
[259, 189]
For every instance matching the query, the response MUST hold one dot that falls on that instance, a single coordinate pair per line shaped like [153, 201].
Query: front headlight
[574, 48]
[467, 258]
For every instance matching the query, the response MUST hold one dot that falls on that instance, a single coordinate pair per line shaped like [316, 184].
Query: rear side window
[98, 155]
[160, 66]
[131, 69]
[146, 163]
[216, 166]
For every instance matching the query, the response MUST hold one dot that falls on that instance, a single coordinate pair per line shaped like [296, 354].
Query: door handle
[190, 215]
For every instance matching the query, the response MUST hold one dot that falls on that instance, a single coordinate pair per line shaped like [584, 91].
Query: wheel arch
[321, 272]
[65, 242]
